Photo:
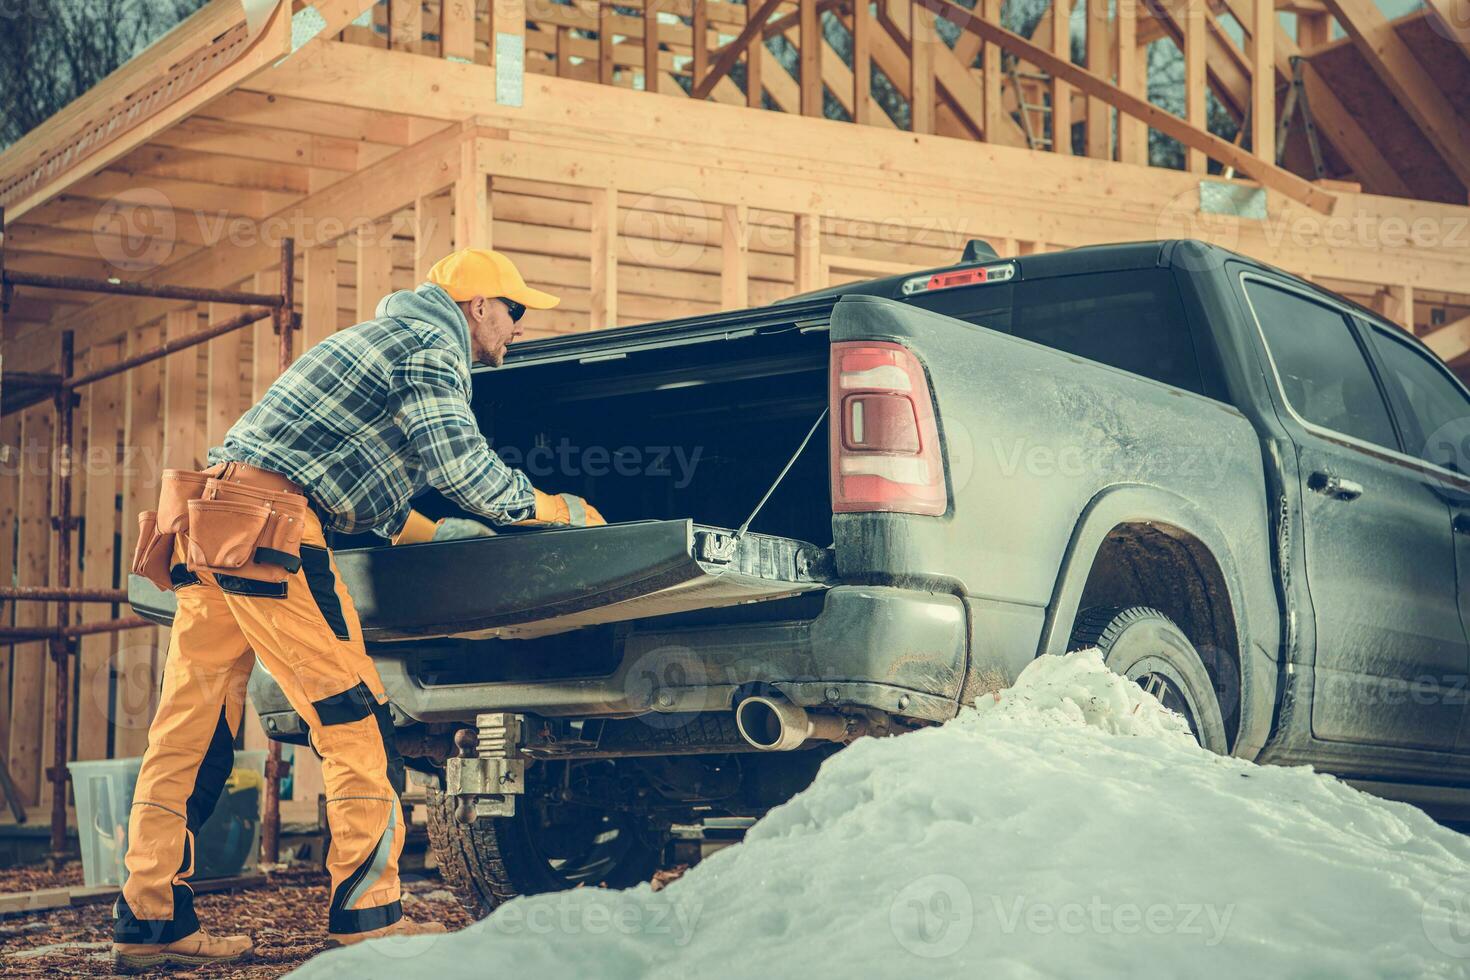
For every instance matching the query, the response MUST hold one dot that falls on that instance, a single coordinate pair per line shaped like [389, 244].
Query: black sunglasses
[517, 310]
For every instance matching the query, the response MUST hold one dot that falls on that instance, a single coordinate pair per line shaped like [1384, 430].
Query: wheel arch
[1138, 545]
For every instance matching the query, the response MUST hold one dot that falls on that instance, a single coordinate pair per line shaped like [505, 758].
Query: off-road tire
[1139, 641]
[495, 859]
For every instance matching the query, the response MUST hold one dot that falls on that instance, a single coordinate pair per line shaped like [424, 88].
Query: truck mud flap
[536, 583]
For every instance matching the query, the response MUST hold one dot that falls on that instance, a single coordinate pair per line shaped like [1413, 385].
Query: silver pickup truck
[854, 512]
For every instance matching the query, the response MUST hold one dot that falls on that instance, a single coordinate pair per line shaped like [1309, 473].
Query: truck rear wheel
[543, 848]
[1146, 646]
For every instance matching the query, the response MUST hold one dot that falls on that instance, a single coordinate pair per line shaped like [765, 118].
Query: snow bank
[1067, 827]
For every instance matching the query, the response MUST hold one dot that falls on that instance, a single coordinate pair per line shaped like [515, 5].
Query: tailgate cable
[727, 552]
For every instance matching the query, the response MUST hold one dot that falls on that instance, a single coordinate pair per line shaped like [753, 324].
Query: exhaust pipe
[774, 724]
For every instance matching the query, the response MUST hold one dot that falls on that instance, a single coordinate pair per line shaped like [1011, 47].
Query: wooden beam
[1401, 306]
[699, 39]
[1268, 174]
[319, 295]
[808, 253]
[1196, 37]
[1263, 79]
[406, 24]
[605, 59]
[731, 52]
[12, 449]
[754, 90]
[433, 233]
[224, 394]
[143, 463]
[1313, 30]
[1132, 134]
[265, 355]
[181, 435]
[31, 661]
[457, 29]
[811, 47]
[735, 257]
[1450, 342]
[374, 267]
[604, 275]
[1403, 75]
[862, 66]
[1061, 93]
[650, 45]
[471, 200]
[922, 38]
[1099, 60]
[103, 411]
[993, 114]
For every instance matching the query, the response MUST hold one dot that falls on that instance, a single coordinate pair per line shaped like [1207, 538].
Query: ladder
[1296, 102]
[1036, 137]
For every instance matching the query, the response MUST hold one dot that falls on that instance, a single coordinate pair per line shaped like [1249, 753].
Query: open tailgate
[535, 583]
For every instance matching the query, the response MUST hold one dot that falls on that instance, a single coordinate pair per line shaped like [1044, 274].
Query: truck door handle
[1336, 487]
[1461, 523]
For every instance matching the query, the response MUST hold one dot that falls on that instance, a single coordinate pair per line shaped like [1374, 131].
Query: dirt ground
[287, 918]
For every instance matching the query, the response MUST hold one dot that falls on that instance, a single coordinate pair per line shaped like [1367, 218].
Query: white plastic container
[227, 844]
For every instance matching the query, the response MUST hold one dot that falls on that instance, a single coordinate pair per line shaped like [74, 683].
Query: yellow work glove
[564, 509]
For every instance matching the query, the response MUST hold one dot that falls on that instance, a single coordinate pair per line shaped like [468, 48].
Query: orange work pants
[305, 632]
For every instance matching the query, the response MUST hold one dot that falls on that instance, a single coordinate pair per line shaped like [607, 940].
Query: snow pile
[1067, 827]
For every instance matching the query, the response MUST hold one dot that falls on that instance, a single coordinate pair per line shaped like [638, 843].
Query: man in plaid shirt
[359, 424]
[368, 418]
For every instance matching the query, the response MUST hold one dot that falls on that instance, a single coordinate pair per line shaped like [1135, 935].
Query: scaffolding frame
[62, 387]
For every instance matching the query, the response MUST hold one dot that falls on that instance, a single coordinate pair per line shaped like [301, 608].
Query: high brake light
[973, 276]
[885, 442]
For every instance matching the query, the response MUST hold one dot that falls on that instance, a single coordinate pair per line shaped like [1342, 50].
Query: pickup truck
[858, 510]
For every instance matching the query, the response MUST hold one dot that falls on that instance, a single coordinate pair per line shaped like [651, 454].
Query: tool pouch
[179, 487]
[154, 551]
[246, 531]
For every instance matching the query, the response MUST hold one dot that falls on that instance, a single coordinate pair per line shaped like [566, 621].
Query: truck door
[1436, 409]
[1391, 652]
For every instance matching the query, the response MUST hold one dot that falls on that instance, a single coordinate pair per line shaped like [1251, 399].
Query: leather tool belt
[231, 518]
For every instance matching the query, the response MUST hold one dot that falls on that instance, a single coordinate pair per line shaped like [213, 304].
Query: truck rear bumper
[896, 650]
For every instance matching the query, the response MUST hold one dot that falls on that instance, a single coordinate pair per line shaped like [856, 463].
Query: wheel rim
[1170, 693]
[586, 851]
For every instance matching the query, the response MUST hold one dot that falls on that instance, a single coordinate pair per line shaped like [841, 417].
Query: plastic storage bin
[227, 844]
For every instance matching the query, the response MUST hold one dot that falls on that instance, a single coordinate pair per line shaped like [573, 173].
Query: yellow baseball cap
[472, 272]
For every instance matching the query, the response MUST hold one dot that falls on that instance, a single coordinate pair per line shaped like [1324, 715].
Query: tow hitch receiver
[489, 772]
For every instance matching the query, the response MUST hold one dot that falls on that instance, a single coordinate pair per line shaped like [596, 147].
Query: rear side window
[1324, 375]
[1435, 404]
[1132, 320]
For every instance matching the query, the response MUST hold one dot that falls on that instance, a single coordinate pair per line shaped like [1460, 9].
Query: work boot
[195, 949]
[403, 927]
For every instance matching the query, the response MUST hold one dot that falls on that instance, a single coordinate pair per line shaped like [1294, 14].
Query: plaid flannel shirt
[371, 416]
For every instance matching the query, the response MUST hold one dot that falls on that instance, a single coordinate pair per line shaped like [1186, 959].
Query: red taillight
[885, 443]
